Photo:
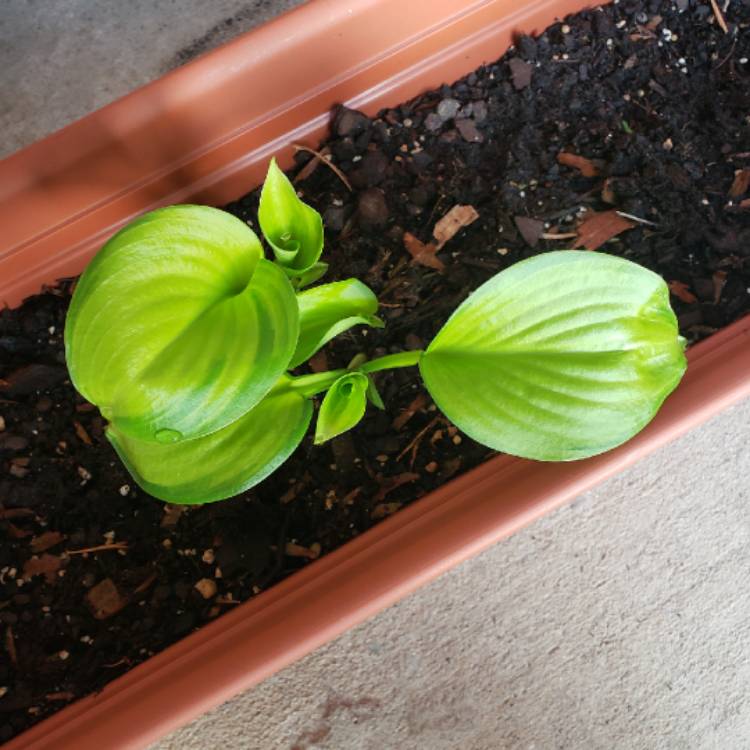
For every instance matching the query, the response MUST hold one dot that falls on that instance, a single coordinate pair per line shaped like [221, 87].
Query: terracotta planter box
[204, 133]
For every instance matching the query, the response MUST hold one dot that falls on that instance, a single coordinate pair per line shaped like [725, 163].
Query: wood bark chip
[421, 253]
[531, 229]
[585, 166]
[681, 290]
[9, 513]
[46, 565]
[10, 646]
[297, 550]
[207, 588]
[30, 378]
[719, 279]
[741, 183]
[105, 600]
[608, 195]
[382, 510]
[46, 541]
[14, 532]
[457, 218]
[392, 483]
[600, 227]
[81, 432]
[172, 514]
[520, 72]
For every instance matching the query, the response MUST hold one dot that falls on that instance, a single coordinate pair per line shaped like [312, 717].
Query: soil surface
[640, 108]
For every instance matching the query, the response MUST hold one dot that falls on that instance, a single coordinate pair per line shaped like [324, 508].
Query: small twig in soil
[414, 444]
[62, 696]
[729, 54]
[719, 16]
[98, 548]
[636, 219]
[559, 236]
[417, 405]
[143, 586]
[119, 663]
[8, 513]
[10, 645]
[325, 161]
[224, 600]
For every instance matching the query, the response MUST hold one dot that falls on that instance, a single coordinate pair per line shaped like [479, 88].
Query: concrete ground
[620, 622]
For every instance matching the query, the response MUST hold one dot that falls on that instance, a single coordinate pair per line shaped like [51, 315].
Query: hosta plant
[184, 335]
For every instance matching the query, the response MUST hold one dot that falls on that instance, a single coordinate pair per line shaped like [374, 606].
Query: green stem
[309, 385]
[392, 361]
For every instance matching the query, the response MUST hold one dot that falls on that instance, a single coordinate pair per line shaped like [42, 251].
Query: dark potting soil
[647, 101]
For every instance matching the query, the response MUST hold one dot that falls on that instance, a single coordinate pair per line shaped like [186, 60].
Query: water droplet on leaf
[167, 436]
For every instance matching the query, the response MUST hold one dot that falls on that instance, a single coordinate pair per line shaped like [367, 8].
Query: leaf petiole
[392, 361]
[310, 385]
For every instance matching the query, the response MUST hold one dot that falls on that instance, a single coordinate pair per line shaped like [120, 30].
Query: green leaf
[292, 228]
[226, 462]
[179, 326]
[373, 395]
[562, 356]
[315, 272]
[343, 406]
[330, 309]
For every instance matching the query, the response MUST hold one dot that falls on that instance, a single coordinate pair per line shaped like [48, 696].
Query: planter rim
[137, 153]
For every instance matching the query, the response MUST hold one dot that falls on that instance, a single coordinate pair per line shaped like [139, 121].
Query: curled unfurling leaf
[343, 406]
[293, 229]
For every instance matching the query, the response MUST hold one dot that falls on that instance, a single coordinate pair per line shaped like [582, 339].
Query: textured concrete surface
[60, 59]
[621, 622]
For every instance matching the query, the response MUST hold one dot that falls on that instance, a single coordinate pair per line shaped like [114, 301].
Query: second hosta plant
[185, 335]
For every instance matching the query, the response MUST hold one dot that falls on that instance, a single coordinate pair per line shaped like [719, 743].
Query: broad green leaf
[562, 356]
[343, 406]
[178, 326]
[330, 309]
[292, 228]
[226, 462]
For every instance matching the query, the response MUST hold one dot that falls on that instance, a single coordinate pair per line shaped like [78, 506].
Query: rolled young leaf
[226, 462]
[343, 406]
[330, 309]
[178, 326]
[292, 228]
[559, 357]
